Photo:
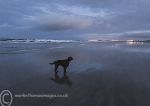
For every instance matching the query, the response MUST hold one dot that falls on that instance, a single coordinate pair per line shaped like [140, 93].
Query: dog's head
[70, 58]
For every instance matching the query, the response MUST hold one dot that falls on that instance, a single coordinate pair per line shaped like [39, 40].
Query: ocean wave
[6, 40]
[36, 41]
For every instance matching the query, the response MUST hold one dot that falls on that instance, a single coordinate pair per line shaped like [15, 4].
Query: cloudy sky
[75, 19]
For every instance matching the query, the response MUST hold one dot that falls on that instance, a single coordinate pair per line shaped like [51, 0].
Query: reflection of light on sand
[132, 42]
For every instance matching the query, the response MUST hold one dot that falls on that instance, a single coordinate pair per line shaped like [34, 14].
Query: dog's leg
[56, 67]
[65, 70]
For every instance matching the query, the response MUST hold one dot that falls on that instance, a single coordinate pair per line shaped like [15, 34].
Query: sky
[75, 19]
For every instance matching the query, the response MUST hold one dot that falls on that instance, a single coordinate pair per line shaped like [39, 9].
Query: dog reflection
[62, 80]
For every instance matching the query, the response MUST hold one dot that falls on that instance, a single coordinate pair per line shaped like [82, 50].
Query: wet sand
[101, 74]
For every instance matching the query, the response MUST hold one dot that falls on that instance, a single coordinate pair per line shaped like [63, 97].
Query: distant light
[134, 42]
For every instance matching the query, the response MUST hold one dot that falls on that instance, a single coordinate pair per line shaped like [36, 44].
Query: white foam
[37, 41]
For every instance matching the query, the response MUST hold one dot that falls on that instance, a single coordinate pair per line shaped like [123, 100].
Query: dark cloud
[57, 22]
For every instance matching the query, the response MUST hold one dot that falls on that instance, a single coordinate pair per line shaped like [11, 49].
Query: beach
[101, 74]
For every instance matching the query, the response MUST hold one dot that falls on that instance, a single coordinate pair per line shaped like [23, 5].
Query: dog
[64, 63]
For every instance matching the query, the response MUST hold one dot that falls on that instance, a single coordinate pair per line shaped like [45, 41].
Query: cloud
[136, 34]
[5, 25]
[85, 11]
[103, 17]
[131, 33]
[50, 21]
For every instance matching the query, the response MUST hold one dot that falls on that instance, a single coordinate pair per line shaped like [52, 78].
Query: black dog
[63, 63]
